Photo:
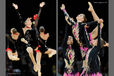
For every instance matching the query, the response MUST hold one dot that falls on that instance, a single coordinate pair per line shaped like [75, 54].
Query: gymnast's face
[28, 22]
[70, 40]
[80, 18]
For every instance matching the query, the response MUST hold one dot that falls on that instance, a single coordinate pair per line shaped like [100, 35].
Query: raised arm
[17, 10]
[94, 22]
[64, 10]
[38, 15]
[69, 20]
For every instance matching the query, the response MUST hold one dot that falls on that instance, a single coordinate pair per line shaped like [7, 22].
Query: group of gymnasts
[28, 41]
[88, 42]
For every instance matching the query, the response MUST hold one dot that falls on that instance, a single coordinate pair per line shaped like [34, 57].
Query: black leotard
[42, 43]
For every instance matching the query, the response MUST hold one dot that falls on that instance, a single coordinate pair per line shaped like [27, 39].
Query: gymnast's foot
[90, 7]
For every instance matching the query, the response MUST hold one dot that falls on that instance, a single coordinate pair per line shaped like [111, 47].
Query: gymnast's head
[41, 29]
[28, 22]
[70, 40]
[81, 18]
[13, 31]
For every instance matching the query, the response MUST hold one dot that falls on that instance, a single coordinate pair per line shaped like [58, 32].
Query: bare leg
[50, 52]
[38, 59]
[94, 33]
[30, 52]
[91, 9]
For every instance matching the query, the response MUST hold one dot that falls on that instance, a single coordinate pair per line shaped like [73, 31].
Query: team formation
[28, 41]
[31, 50]
[89, 43]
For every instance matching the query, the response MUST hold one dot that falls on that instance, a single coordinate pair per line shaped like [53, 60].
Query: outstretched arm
[17, 10]
[94, 22]
[70, 21]
[64, 10]
[38, 15]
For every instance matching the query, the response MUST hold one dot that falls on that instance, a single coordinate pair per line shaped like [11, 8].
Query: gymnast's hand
[66, 63]
[42, 4]
[14, 58]
[66, 18]
[62, 7]
[100, 21]
[15, 6]
[24, 41]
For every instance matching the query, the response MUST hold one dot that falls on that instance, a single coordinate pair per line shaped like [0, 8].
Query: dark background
[75, 7]
[28, 8]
